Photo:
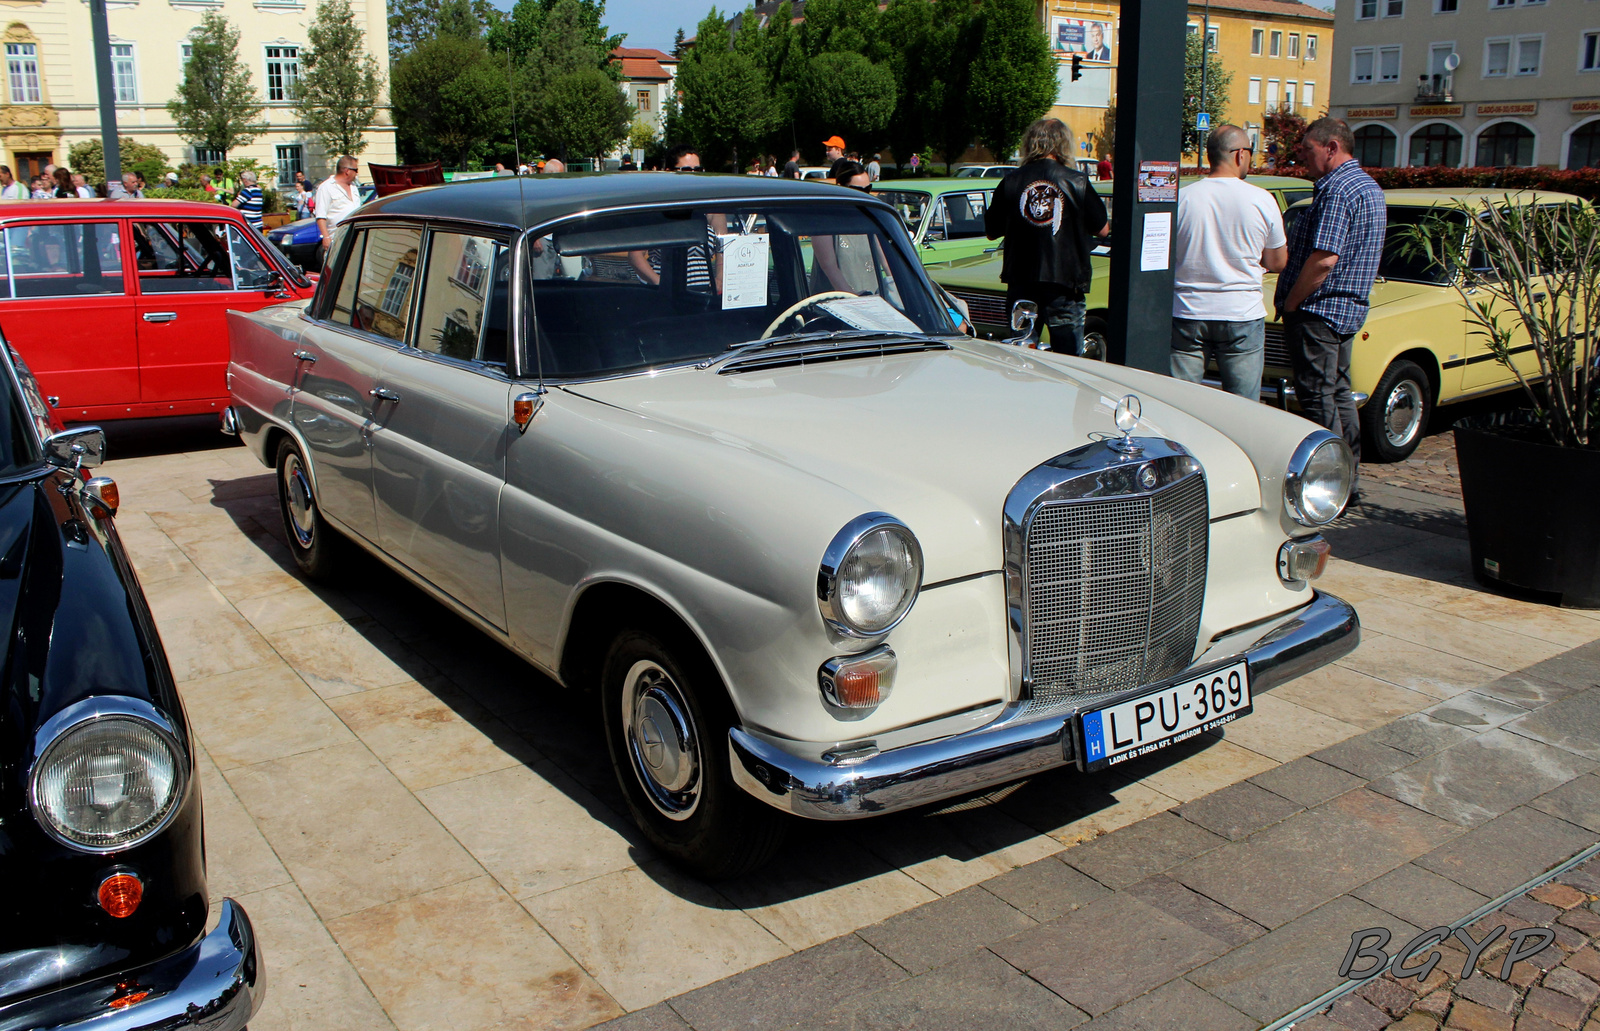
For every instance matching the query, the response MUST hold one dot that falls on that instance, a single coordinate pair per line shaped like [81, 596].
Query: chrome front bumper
[1012, 746]
[216, 984]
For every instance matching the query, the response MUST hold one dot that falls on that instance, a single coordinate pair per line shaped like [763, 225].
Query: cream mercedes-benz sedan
[713, 448]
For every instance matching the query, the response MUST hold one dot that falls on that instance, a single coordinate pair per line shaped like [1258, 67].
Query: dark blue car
[301, 242]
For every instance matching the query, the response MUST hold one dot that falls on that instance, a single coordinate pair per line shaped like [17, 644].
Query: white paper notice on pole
[870, 313]
[744, 271]
[1156, 252]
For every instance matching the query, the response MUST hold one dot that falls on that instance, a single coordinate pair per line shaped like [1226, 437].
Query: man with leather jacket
[1049, 215]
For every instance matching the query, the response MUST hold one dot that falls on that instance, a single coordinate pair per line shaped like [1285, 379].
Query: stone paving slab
[487, 791]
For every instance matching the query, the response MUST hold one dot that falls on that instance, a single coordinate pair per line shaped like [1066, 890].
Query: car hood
[1395, 293]
[296, 227]
[937, 439]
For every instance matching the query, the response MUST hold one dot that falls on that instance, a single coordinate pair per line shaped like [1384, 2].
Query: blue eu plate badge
[1163, 716]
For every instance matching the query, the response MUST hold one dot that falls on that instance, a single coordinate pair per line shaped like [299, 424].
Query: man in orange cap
[832, 152]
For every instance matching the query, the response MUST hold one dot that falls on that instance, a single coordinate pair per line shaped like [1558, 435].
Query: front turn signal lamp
[1302, 560]
[120, 895]
[858, 682]
[104, 498]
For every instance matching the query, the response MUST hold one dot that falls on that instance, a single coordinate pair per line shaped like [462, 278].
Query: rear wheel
[667, 719]
[311, 540]
[1396, 416]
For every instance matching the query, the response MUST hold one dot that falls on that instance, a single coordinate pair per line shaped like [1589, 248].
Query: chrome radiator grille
[1114, 588]
[987, 308]
[1275, 351]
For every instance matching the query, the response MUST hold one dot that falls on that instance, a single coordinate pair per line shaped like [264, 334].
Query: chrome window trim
[90, 710]
[833, 557]
[1294, 473]
[1093, 471]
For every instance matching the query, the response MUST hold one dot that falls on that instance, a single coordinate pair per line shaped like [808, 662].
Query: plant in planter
[1528, 271]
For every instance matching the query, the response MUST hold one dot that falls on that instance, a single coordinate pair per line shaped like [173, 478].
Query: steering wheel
[801, 305]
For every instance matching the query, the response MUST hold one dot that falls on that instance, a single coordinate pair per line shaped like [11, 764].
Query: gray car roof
[526, 201]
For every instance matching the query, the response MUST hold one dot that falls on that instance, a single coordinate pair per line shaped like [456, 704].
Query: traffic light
[1077, 67]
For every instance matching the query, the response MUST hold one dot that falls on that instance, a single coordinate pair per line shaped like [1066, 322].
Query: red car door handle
[160, 316]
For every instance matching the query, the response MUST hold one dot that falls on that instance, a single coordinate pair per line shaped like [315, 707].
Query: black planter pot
[1533, 509]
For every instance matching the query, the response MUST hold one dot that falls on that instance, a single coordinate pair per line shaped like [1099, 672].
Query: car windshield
[17, 449]
[619, 292]
[911, 205]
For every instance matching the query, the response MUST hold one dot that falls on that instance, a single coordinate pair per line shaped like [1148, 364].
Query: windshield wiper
[801, 338]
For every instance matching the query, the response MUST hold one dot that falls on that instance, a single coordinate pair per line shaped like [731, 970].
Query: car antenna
[531, 403]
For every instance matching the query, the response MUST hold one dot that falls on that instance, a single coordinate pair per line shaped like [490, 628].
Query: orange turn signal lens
[857, 688]
[858, 681]
[120, 895]
[103, 493]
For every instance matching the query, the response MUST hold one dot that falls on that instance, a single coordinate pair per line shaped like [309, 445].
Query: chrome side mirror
[81, 448]
[1024, 319]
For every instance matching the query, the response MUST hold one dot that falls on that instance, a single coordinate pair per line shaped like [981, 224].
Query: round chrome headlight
[1317, 483]
[108, 782]
[870, 576]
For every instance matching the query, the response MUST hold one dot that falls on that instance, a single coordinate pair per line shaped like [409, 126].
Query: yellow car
[1416, 350]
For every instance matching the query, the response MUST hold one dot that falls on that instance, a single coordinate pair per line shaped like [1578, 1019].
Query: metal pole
[108, 90]
[1205, 59]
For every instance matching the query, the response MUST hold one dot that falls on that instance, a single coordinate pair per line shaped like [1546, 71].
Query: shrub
[178, 193]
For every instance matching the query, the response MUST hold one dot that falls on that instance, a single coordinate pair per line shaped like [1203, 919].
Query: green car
[975, 280]
[944, 216]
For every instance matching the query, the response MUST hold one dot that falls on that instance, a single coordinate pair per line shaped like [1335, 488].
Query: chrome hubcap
[1402, 413]
[300, 509]
[663, 742]
[1094, 347]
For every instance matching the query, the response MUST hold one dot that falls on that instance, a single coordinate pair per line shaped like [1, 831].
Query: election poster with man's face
[1092, 39]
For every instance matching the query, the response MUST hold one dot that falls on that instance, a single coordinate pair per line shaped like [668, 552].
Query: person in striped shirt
[249, 201]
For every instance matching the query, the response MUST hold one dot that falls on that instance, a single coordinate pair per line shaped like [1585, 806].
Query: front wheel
[1396, 416]
[1096, 335]
[311, 540]
[666, 721]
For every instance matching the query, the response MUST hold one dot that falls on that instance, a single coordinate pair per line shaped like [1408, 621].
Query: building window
[1495, 5]
[1436, 144]
[1367, 9]
[1583, 147]
[1504, 144]
[1307, 89]
[22, 70]
[1528, 55]
[1211, 39]
[283, 72]
[1254, 96]
[291, 159]
[1388, 64]
[1272, 93]
[1294, 44]
[644, 101]
[1589, 53]
[185, 51]
[1437, 54]
[1277, 44]
[208, 158]
[1496, 57]
[124, 80]
[1288, 95]
[1311, 48]
[1256, 41]
[1444, 6]
[1361, 60]
[1395, 9]
[1375, 146]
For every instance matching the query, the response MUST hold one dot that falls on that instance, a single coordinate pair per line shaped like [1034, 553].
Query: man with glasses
[336, 198]
[1229, 234]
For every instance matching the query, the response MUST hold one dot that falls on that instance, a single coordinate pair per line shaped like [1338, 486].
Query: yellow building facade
[49, 100]
[1279, 52]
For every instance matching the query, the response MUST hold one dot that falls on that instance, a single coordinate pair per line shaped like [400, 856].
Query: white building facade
[50, 99]
[649, 79]
[1470, 82]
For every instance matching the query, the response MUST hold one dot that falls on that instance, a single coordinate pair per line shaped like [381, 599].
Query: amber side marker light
[128, 993]
[120, 894]
[103, 495]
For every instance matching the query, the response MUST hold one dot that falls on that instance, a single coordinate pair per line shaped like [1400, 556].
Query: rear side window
[63, 260]
[464, 300]
[376, 283]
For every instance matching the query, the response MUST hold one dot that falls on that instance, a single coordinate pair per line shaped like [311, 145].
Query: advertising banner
[1086, 37]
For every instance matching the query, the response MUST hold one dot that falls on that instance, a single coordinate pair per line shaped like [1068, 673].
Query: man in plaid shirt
[1322, 293]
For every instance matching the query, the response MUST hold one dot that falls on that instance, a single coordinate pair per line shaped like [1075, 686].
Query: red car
[119, 305]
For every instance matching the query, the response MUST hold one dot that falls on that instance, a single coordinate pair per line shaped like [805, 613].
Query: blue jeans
[1237, 347]
[1061, 311]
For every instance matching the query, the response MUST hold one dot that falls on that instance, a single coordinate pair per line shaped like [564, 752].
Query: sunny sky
[653, 23]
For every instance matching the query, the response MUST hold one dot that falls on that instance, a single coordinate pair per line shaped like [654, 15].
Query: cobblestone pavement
[1431, 469]
[427, 833]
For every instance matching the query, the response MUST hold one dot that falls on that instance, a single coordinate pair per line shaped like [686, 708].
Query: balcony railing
[1434, 89]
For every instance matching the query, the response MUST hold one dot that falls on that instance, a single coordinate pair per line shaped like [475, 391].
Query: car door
[956, 226]
[439, 457]
[65, 306]
[336, 407]
[1482, 371]
[190, 272]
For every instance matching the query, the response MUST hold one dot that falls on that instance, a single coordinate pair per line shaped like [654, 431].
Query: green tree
[849, 95]
[1218, 83]
[412, 21]
[1106, 143]
[1013, 74]
[578, 21]
[451, 99]
[337, 94]
[89, 158]
[216, 106]
[583, 113]
[727, 98]
[642, 135]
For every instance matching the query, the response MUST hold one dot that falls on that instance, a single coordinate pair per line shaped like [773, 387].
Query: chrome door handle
[303, 355]
[384, 394]
[160, 316]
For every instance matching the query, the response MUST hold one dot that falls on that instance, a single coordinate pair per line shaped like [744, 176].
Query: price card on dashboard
[744, 271]
[871, 313]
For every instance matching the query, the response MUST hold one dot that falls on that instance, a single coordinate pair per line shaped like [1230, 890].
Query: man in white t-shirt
[336, 197]
[1229, 234]
[10, 189]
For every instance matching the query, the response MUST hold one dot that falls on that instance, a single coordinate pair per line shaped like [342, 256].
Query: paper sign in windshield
[871, 312]
[744, 271]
